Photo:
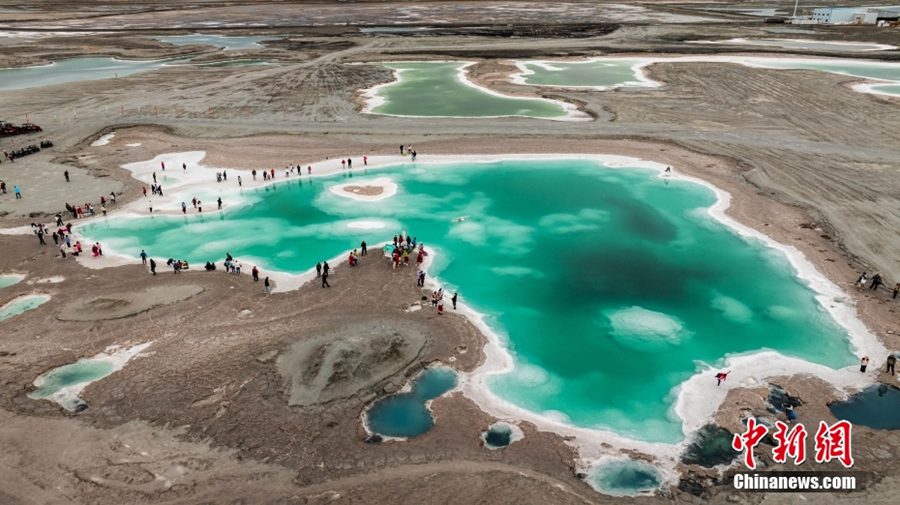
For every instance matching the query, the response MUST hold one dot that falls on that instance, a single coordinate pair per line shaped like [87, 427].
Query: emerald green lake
[435, 89]
[609, 286]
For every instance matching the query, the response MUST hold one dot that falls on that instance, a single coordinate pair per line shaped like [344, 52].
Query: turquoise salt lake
[609, 286]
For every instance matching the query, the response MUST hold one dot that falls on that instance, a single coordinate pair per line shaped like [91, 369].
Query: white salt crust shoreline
[696, 399]
[643, 80]
[762, 42]
[374, 98]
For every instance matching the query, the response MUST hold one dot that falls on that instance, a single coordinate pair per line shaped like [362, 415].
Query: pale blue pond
[228, 43]
[73, 70]
[406, 414]
[625, 477]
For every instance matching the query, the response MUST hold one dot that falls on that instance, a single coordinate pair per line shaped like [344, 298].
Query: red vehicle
[9, 129]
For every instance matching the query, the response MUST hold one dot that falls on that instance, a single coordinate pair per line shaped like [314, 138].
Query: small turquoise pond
[82, 371]
[625, 477]
[876, 407]
[405, 414]
[10, 279]
[22, 304]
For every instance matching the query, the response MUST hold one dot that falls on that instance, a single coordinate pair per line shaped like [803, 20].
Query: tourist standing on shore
[896, 290]
[220, 203]
[143, 257]
[318, 269]
[325, 279]
[420, 281]
[183, 208]
[18, 192]
[891, 361]
[255, 274]
[454, 298]
[152, 266]
[364, 250]
[876, 282]
[721, 376]
[267, 288]
[66, 175]
[325, 268]
[863, 363]
[861, 281]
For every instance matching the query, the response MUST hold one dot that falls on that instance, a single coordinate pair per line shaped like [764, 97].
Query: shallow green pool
[435, 89]
[610, 286]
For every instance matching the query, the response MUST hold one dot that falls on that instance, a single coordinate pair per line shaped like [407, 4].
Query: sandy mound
[341, 363]
[364, 190]
[119, 305]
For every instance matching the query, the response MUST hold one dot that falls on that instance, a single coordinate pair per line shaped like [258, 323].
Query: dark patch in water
[711, 447]
[876, 406]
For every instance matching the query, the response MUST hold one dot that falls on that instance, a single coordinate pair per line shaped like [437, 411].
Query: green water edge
[609, 286]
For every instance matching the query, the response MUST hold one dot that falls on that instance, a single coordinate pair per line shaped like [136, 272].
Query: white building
[850, 15]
